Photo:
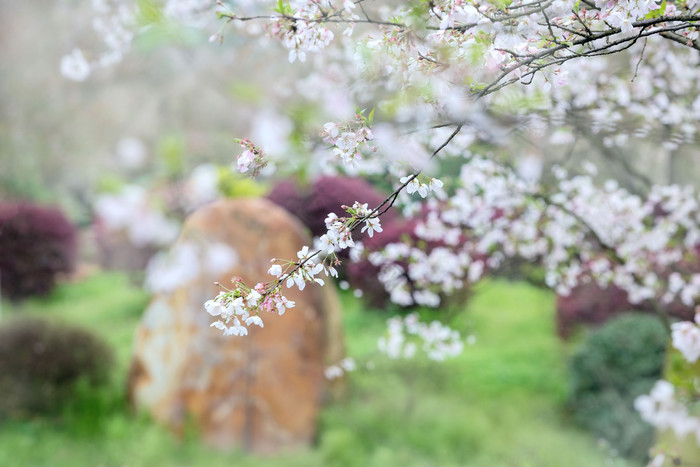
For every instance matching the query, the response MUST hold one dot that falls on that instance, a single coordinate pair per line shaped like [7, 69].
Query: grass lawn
[501, 403]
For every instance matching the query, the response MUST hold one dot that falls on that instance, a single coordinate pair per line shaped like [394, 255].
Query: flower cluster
[302, 27]
[187, 261]
[348, 138]
[662, 409]
[241, 306]
[114, 23]
[346, 365]
[252, 158]
[579, 232]
[305, 269]
[415, 185]
[301, 36]
[405, 336]
[338, 234]
[131, 212]
[685, 337]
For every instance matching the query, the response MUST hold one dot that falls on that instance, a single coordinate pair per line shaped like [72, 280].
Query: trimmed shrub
[589, 304]
[326, 195]
[613, 366]
[45, 365]
[292, 198]
[36, 244]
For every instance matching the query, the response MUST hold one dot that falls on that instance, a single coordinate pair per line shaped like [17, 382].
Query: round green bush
[44, 365]
[615, 364]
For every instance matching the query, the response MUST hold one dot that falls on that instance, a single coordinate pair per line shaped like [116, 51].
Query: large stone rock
[261, 392]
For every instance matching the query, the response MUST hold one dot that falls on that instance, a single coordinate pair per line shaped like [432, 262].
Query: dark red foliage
[589, 305]
[36, 244]
[41, 362]
[329, 194]
[292, 198]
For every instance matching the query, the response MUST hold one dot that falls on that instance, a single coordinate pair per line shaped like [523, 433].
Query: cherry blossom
[444, 76]
[686, 338]
[662, 409]
[405, 336]
[74, 66]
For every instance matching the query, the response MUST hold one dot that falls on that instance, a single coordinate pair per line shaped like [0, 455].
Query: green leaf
[283, 8]
[148, 12]
[657, 13]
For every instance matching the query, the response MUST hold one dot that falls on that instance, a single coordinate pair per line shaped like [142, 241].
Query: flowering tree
[447, 81]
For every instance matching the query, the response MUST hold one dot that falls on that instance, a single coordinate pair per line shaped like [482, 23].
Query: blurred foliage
[497, 404]
[683, 375]
[45, 367]
[110, 183]
[171, 150]
[36, 244]
[149, 12]
[234, 185]
[246, 92]
[589, 304]
[614, 365]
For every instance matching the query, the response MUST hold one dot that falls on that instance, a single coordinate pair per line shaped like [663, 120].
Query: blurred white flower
[271, 132]
[202, 186]
[74, 66]
[685, 337]
[168, 271]
[219, 258]
[530, 167]
[129, 211]
[131, 153]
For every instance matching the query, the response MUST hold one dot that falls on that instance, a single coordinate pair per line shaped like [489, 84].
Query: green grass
[499, 404]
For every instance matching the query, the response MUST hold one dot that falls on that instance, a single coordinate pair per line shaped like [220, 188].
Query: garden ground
[501, 403]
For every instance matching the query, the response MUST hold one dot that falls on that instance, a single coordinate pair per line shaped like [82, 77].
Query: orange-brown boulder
[260, 392]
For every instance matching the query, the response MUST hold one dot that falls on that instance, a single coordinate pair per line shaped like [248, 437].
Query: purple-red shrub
[42, 363]
[292, 198]
[329, 194]
[591, 305]
[36, 244]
